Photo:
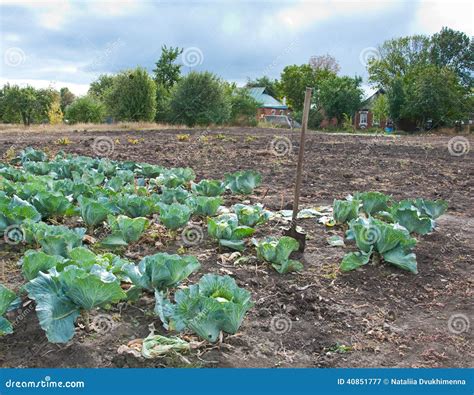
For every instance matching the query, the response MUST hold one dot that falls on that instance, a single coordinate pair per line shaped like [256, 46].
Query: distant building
[269, 105]
[364, 117]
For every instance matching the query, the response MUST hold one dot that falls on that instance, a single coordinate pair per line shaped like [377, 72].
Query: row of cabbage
[67, 280]
[385, 229]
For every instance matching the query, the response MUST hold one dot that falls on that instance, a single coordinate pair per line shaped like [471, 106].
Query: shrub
[243, 108]
[85, 109]
[200, 99]
[132, 96]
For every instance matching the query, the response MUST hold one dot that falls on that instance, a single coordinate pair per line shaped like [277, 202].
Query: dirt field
[377, 316]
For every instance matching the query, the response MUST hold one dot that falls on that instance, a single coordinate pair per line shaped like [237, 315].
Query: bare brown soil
[377, 316]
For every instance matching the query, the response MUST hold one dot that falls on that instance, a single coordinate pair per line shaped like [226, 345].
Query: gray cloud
[237, 39]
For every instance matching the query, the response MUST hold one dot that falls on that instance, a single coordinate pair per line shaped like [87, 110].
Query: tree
[380, 108]
[99, 87]
[132, 96]
[454, 50]
[396, 100]
[271, 86]
[55, 115]
[200, 99]
[66, 98]
[8, 112]
[243, 107]
[166, 74]
[435, 94]
[85, 109]
[294, 80]
[27, 104]
[337, 96]
[324, 62]
[397, 57]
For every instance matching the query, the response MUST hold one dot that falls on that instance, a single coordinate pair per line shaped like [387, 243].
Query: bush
[243, 108]
[85, 109]
[132, 96]
[200, 99]
[314, 119]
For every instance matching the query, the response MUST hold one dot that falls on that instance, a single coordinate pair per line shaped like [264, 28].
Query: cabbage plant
[52, 204]
[213, 305]
[34, 261]
[251, 215]
[15, 211]
[345, 210]
[243, 182]
[225, 228]
[93, 211]
[208, 188]
[124, 230]
[6, 299]
[277, 251]
[204, 205]
[418, 215]
[175, 215]
[62, 296]
[161, 271]
[173, 195]
[53, 239]
[372, 236]
[372, 202]
[135, 206]
[175, 177]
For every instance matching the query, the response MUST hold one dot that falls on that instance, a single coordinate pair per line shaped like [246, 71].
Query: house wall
[370, 120]
[262, 111]
[328, 122]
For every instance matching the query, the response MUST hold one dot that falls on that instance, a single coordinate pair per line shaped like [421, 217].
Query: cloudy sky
[70, 42]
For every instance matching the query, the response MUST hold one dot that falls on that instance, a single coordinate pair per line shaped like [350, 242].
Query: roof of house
[260, 95]
[369, 102]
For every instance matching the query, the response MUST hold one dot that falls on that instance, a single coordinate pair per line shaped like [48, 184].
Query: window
[363, 118]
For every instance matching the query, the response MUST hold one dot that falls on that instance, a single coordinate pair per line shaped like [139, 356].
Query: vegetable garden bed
[318, 316]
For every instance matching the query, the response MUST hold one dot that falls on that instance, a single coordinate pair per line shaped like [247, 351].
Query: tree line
[425, 78]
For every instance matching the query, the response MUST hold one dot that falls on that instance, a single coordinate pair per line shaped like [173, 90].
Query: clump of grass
[183, 137]
[63, 141]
